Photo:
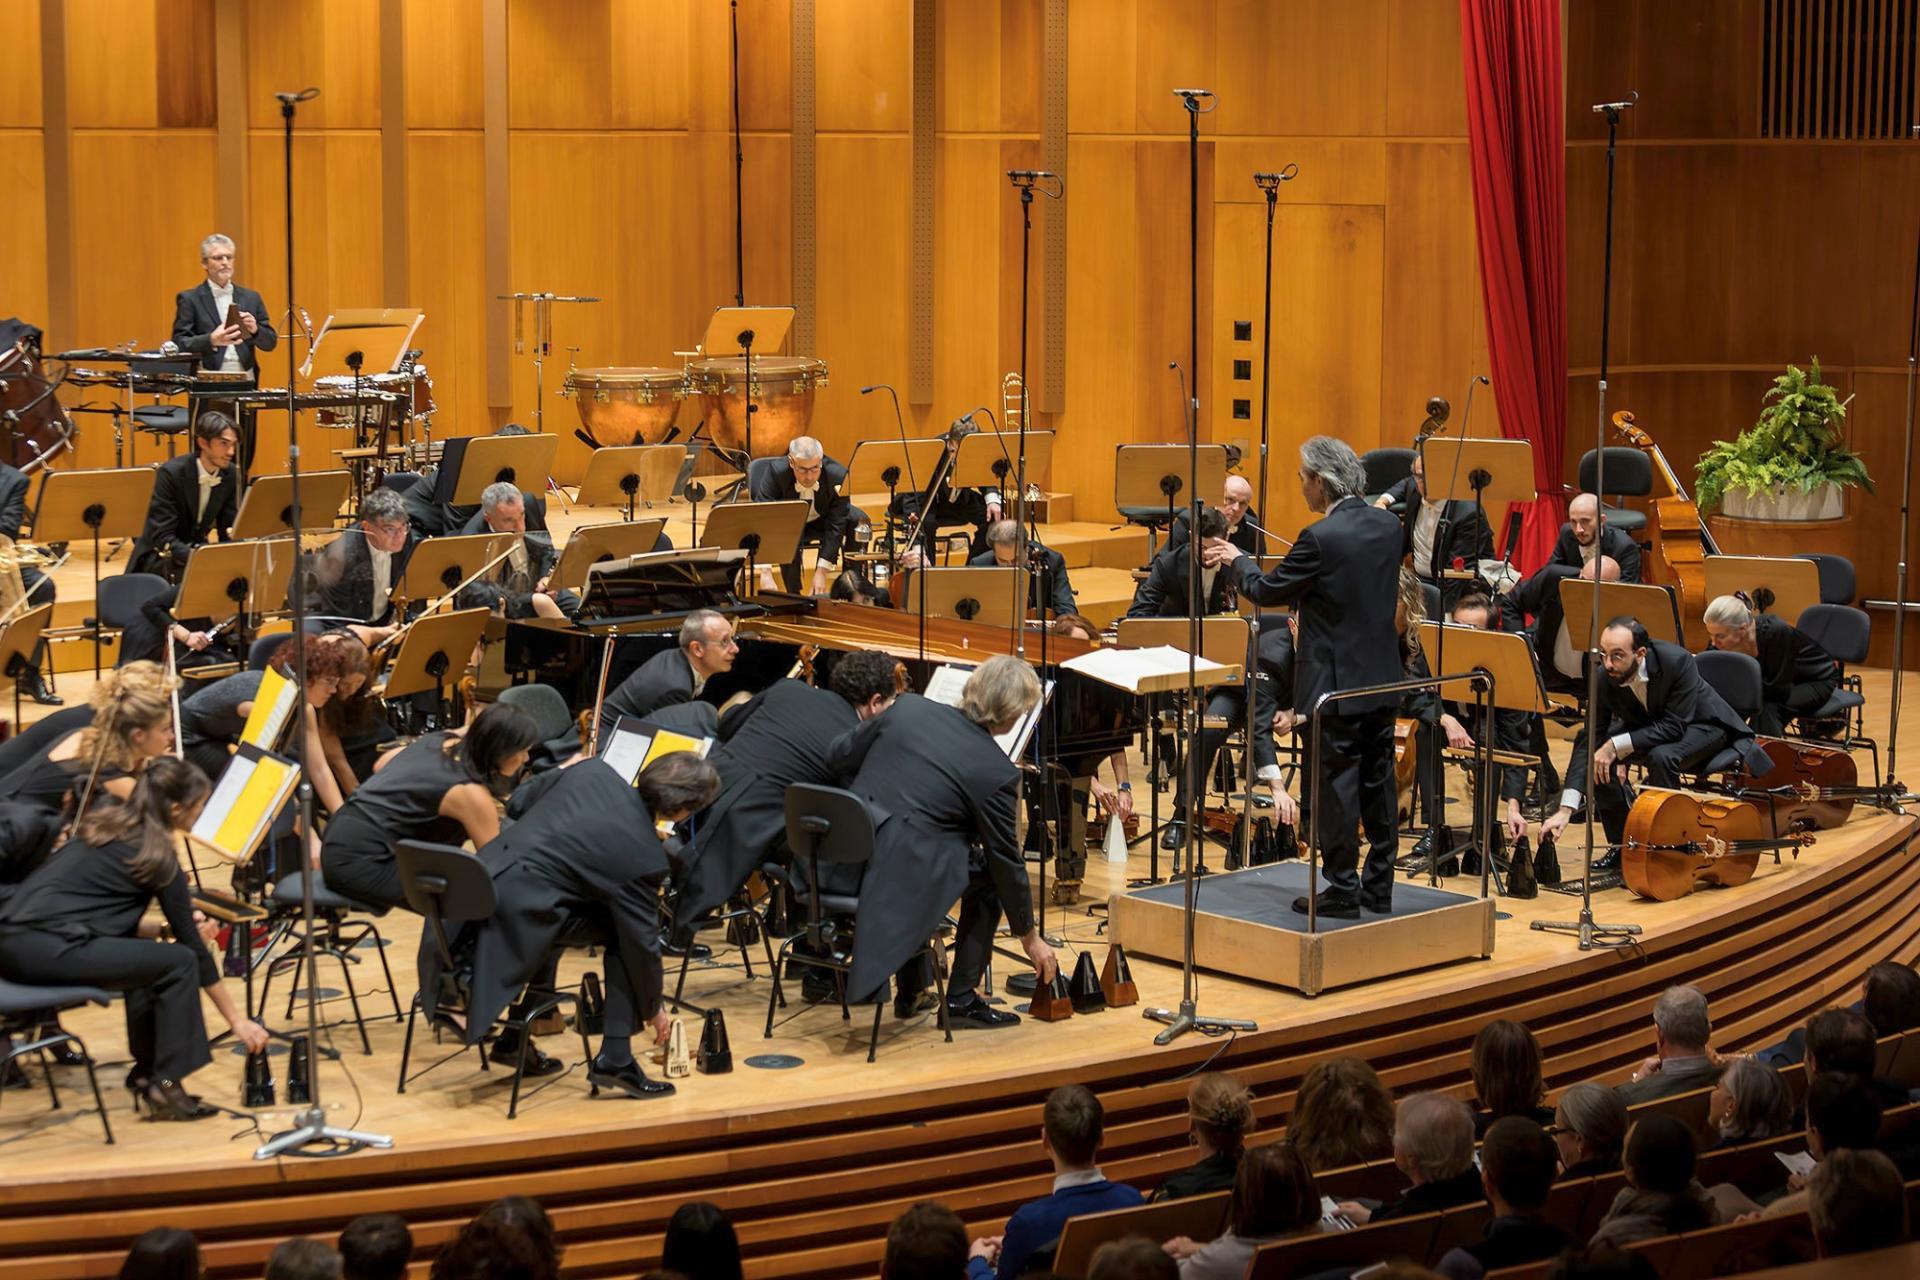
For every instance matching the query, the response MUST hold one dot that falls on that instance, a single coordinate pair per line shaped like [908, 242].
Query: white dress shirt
[1425, 526]
[209, 481]
[1573, 797]
[222, 302]
[382, 562]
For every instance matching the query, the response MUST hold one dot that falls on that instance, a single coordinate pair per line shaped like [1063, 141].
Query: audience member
[1590, 1128]
[700, 1243]
[512, 1239]
[1680, 1061]
[1342, 1115]
[1892, 999]
[302, 1259]
[1507, 1075]
[1601, 1262]
[375, 1246]
[1841, 1116]
[1661, 1196]
[1134, 1258]
[1857, 1203]
[1274, 1195]
[1070, 1131]
[1749, 1103]
[927, 1242]
[1843, 1041]
[1220, 1115]
[1517, 1163]
[1433, 1145]
[164, 1253]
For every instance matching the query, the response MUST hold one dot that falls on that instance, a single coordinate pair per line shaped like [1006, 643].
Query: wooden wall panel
[1331, 76]
[862, 330]
[333, 45]
[1116, 393]
[447, 236]
[970, 295]
[1424, 72]
[865, 59]
[442, 47]
[20, 69]
[112, 64]
[651, 64]
[185, 78]
[23, 226]
[559, 69]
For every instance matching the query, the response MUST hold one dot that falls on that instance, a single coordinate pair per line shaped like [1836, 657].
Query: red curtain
[1511, 49]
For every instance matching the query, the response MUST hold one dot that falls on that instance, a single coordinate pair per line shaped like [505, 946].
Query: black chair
[123, 595]
[335, 936]
[400, 481]
[546, 704]
[23, 1011]
[1737, 679]
[1837, 583]
[745, 920]
[448, 885]
[1430, 593]
[832, 827]
[1629, 475]
[162, 420]
[1844, 632]
[1385, 468]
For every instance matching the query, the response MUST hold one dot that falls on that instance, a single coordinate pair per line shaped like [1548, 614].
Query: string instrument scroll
[1679, 538]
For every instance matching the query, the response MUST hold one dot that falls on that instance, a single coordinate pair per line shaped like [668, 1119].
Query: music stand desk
[973, 464]
[1650, 604]
[18, 640]
[1139, 468]
[767, 326]
[438, 565]
[1450, 463]
[434, 650]
[916, 459]
[1795, 583]
[384, 334]
[513, 459]
[592, 543]
[998, 595]
[256, 572]
[778, 526]
[650, 468]
[267, 508]
[117, 498]
[1505, 655]
[1223, 637]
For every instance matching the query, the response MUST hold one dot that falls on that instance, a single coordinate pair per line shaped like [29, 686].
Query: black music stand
[594, 543]
[438, 565]
[18, 640]
[985, 595]
[1147, 478]
[623, 475]
[88, 506]
[769, 532]
[736, 331]
[432, 649]
[237, 580]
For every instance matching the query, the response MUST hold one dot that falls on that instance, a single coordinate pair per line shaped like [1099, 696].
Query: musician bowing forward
[521, 586]
[1797, 675]
[806, 474]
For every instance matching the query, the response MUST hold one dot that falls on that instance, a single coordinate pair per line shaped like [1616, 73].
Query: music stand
[986, 595]
[736, 331]
[87, 506]
[1650, 604]
[1148, 478]
[886, 464]
[438, 565]
[985, 459]
[1783, 586]
[769, 532]
[267, 507]
[382, 334]
[620, 475]
[495, 459]
[18, 640]
[236, 579]
[434, 648]
[592, 543]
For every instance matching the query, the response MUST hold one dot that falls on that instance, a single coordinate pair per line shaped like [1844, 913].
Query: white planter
[1828, 502]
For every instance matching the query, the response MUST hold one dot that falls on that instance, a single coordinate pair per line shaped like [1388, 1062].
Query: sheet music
[948, 682]
[272, 707]
[635, 744]
[252, 790]
[1127, 668]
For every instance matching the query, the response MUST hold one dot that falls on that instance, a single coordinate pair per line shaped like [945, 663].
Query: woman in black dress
[78, 919]
[132, 724]
[440, 789]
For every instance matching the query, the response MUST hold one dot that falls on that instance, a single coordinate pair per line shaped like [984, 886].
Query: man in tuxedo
[1658, 710]
[1003, 544]
[1342, 579]
[224, 323]
[1470, 540]
[1236, 504]
[675, 676]
[1587, 534]
[14, 484]
[194, 498]
[807, 474]
[355, 575]
[429, 498]
[520, 584]
[1797, 675]
[1163, 592]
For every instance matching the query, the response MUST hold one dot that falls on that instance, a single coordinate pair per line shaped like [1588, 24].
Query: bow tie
[211, 481]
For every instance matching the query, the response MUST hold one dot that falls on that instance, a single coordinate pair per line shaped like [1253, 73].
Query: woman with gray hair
[1590, 1128]
[1797, 676]
[1750, 1103]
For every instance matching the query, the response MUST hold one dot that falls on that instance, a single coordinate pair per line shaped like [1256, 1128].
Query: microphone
[304, 95]
[1479, 380]
[1193, 93]
[355, 359]
[1603, 108]
[1030, 174]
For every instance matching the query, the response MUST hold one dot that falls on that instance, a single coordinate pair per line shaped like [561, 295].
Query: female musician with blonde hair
[132, 724]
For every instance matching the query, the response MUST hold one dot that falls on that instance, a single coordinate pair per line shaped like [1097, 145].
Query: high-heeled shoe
[63, 1054]
[166, 1100]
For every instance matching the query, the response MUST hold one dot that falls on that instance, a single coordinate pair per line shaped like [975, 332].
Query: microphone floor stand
[1187, 1016]
[1589, 933]
[311, 1129]
[1440, 833]
[1889, 781]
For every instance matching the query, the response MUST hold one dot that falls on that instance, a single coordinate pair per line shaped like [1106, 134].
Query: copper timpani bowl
[783, 389]
[626, 406]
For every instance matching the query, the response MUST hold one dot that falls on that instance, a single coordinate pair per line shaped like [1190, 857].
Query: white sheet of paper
[233, 779]
[625, 752]
[1800, 1162]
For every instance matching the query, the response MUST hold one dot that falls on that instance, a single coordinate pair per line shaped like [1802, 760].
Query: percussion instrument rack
[543, 304]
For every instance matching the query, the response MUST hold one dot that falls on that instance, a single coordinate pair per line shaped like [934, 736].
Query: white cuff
[1574, 800]
[1622, 745]
[1268, 773]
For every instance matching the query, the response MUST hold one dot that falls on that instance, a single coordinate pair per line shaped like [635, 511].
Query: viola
[1674, 839]
[1809, 788]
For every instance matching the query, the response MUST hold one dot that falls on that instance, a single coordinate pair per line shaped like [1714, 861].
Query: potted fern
[1793, 464]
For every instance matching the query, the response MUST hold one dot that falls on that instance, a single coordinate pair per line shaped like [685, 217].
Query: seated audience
[1601, 1262]
[1661, 1197]
[1590, 1128]
[1841, 1116]
[1070, 1131]
[1842, 1041]
[1134, 1258]
[512, 1239]
[1892, 998]
[1749, 1103]
[1517, 1163]
[375, 1246]
[700, 1243]
[1342, 1115]
[302, 1259]
[1433, 1146]
[1220, 1112]
[927, 1242]
[1274, 1196]
[164, 1253]
[1857, 1203]
[1507, 1077]
[1680, 1062]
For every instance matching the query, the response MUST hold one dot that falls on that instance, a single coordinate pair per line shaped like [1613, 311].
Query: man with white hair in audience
[806, 474]
[1433, 1146]
[1681, 1061]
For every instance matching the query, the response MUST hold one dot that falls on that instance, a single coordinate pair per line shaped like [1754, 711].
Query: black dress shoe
[1336, 905]
[1174, 837]
[693, 950]
[628, 1079]
[972, 1011]
[1378, 906]
[1608, 861]
[34, 685]
[505, 1053]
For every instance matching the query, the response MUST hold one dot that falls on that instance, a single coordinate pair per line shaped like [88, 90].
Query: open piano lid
[663, 584]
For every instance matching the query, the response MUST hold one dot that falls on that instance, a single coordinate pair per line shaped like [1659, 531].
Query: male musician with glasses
[225, 324]
[807, 474]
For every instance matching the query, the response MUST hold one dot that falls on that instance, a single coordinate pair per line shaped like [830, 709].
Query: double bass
[1679, 539]
[1675, 838]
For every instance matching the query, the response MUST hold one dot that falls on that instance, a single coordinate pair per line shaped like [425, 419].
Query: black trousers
[973, 940]
[1355, 773]
[356, 859]
[166, 1032]
[1611, 800]
[1229, 703]
[1802, 700]
[810, 537]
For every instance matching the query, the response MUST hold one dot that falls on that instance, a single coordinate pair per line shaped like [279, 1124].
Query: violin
[1809, 788]
[1676, 838]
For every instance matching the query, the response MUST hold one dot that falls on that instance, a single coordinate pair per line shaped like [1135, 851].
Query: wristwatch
[1126, 786]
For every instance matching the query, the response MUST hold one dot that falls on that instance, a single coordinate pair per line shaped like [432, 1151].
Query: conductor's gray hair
[1004, 688]
[501, 493]
[694, 625]
[804, 448]
[383, 506]
[1337, 465]
[1727, 611]
[1433, 1136]
[1681, 1015]
[212, 242]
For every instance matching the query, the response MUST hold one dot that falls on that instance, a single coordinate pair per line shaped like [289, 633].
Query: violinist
[1048, 589]
[1797, 675]
[522, 586]
[1468, 541]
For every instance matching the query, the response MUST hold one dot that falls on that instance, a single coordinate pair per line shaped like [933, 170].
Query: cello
[1810, 787]
[1680, 540]
[1675, 838]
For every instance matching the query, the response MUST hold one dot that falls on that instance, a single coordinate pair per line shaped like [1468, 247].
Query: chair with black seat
[24, 1011]
[546, 704]
[162, 420]
[1845, 633]
[123, 596]
[833, 827]
[1629, 475]
[447, 885]
[337, 934]
[1385, 468]
[1837, 581]
[1737, 679]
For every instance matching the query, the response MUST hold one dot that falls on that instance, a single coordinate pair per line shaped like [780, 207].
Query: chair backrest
[444, 883]
[1737, 1247]
[1459, 1226]
[1735, 677]
[123, 595]
[1688, 1108]
[828, 824]
[1196, 1217]
[1837, 584]
[759, 473]
[262, 648]
[400, 481]
[1629, 473]
[1407, 1238]
[1385, 468]
[1430, 593]
[546, 704]
[1840, 629]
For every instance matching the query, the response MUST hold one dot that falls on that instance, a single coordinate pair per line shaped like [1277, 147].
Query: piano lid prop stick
[440, 602]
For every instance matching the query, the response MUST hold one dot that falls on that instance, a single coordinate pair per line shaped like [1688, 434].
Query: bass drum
[34, 427]
[626, 406]
[783, 388]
